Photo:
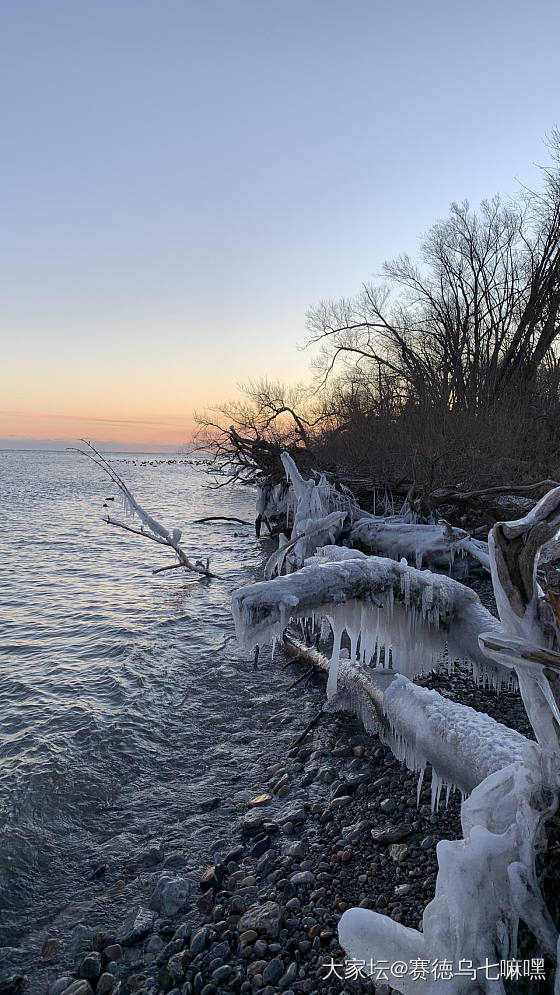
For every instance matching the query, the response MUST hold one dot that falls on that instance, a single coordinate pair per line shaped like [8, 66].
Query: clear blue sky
[181, 179]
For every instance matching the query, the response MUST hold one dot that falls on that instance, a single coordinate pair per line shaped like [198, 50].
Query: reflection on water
[120, 692]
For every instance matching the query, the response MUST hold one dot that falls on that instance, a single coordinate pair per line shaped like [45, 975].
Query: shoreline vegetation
[412, 507]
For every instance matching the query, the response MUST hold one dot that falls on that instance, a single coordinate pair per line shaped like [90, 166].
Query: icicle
[419, 786]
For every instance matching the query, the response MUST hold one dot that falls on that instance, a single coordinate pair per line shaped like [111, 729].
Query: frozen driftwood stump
[404, 619]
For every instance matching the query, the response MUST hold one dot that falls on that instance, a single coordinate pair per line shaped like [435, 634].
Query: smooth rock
[392, 834]
[273, 971]
[302, 877]
[105, 984]
[114, 950]
[427, 843]
[80, 987]
[60, 985]
[90, 967]
[289, 977]
[199, 940]
[387, 806]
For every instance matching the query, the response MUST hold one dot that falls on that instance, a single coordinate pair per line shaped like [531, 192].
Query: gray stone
[302, 877]
[263, 918]
[199, 940]
[222, 973]
[273, 971]
[252, 822]
[114, 951]
[105, 984]
[170, 894]
[136, 926]
[293, 813]
[248, 937]
[80, 987]
[341, 801]
[175, 970]
[220, 949]
[289, 977]
[387, 806]
[427, 843]
[90, 967]
[60, 985]
[393, 834]
[153, 945]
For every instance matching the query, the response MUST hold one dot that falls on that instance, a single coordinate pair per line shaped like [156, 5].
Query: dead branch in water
[220, 518]
[154, 530]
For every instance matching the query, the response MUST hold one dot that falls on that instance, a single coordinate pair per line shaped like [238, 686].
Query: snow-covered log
[391, 612]
[422, 727]
[437, 547]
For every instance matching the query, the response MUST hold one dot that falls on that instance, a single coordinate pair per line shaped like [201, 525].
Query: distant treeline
[446, 375]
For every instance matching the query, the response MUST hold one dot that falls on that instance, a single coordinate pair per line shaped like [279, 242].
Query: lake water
[125, 703]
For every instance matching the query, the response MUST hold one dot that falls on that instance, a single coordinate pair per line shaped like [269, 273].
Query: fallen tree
[487, 882]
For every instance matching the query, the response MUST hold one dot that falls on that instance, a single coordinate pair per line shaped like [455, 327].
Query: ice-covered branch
[436, 547]
[150, 528]
[391, 612]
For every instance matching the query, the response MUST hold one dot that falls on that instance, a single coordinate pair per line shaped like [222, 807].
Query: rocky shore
[334, 823]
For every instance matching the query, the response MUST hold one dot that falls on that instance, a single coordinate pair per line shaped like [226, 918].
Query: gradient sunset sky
[182, 179]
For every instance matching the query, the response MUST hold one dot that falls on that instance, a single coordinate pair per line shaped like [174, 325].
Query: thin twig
[220, 518]
[307, 730]
[300, 679]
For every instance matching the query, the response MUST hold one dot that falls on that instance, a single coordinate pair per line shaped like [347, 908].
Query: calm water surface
[126, 706]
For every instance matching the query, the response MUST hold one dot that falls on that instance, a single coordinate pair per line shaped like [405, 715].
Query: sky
[182, 179]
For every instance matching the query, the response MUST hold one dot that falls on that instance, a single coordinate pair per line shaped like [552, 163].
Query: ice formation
[423, 727]
[318, 512]
[434, 546]
[487, 881]
[401, 618]
[150, 528]
[272, 500]
[393, 614]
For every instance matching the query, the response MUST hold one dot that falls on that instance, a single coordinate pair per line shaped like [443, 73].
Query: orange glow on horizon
[167, 431]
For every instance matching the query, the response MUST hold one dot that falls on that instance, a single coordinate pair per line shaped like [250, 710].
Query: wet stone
[387, 806]
[90, 967]
[199, 940]
[114, 950]
[273, 971]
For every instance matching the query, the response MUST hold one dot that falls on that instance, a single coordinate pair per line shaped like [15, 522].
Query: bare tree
[248, 436]
[477, 317]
